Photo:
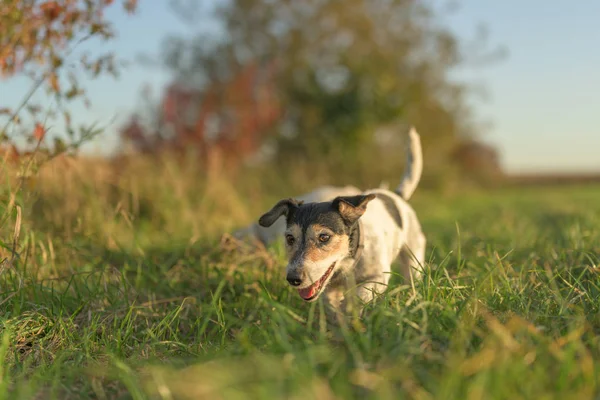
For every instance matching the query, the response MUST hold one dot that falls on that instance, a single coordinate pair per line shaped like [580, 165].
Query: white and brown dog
[352, 240]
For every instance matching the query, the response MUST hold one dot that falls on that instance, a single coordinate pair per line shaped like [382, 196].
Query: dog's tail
[414, 166]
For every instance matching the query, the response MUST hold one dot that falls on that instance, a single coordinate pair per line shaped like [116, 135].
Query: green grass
[509, 308]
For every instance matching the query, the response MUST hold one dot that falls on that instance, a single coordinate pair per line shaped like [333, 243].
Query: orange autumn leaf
[51, 10]
[39, 132]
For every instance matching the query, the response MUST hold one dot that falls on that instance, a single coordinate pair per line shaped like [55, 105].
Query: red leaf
[51, 9]
[39, 132]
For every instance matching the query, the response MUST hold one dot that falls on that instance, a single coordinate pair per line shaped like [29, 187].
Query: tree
[344, 69]
[37, 40]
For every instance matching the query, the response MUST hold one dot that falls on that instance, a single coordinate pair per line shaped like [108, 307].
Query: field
[124, 289]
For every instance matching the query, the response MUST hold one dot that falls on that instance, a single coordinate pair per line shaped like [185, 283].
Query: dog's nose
[294, 280]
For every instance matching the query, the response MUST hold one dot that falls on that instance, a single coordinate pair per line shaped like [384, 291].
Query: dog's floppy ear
[283, 207]
[351, 208]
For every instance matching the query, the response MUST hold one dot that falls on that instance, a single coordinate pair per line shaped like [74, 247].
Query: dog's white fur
[390, 230]
[384, 241]
[414, 166]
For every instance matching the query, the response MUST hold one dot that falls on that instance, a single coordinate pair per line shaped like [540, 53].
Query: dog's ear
[283, 207]
[351, 208]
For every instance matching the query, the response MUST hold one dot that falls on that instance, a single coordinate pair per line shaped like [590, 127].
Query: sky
[542, 99]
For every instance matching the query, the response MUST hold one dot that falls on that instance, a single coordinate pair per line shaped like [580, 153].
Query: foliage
[220, 112]
[37, 41]
[118, 288]
[350, 77]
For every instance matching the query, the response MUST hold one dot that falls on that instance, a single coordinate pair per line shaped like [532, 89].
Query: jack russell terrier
[351, 241]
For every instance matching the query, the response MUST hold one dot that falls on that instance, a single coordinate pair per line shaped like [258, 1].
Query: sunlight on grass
[121, 288]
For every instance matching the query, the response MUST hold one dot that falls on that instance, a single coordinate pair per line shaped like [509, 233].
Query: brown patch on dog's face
[313, 250]
[315, 244]
[321, 243]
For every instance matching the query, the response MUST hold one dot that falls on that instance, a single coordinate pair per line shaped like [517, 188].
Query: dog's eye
[289, 240]
[324, 238]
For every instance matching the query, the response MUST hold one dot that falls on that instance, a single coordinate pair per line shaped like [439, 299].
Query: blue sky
[543, 98]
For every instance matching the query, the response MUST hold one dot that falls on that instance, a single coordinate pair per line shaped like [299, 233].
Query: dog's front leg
[364, 293]
[367, 291]
[334, 304]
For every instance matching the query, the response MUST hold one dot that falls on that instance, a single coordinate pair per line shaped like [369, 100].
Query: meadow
[121, 286]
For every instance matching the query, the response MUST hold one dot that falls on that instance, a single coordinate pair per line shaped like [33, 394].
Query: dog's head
[317, 238]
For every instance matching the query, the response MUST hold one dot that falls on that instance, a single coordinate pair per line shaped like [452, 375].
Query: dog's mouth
[312, 292]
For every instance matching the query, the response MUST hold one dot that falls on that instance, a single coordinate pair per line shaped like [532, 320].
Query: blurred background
[228, 105]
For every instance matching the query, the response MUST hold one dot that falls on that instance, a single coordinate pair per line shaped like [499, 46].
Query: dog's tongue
[308, 292]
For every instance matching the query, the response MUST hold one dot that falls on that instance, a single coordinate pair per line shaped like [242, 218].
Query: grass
[123, 290]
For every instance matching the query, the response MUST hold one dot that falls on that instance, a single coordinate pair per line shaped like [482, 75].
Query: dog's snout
[294, 279]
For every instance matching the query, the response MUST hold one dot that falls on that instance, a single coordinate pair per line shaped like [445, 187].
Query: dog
[350, 242]
[270, 234]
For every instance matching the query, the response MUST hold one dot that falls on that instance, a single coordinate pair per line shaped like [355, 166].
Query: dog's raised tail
[414, 166]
